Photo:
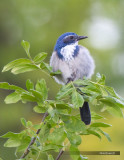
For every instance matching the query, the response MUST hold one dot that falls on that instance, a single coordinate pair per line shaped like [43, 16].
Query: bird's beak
[81, 37]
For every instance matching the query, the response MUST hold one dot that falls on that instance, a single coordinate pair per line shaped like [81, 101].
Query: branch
[60, 153]
[26, 152]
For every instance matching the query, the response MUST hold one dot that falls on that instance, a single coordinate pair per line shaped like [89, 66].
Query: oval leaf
[26, 46]
[28, 97]
[50, 157]
[39, 109]
[40, 57]
[100, 124]
[77, 99]
[56, 138]
[23, 121]
[115, 111]
[5, 85]
[55, 73]
[105, 134]
[93, 132]
[74, 152]
[12, 143]
[29, 85]
[24, 68]
[42, 88]
[16, 63]
[75, 125]
[12, 98]
[65, 91]
[74, 139]
[37, 95]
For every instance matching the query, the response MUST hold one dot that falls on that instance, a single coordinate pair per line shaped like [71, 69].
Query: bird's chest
[68, 68]
[68, 53]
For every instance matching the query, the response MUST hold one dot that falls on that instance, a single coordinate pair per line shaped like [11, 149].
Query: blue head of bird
[67, 45]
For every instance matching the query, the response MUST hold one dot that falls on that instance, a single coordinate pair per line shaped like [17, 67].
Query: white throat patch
[68, 51]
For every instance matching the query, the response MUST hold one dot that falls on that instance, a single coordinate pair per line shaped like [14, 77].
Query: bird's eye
[71, 37]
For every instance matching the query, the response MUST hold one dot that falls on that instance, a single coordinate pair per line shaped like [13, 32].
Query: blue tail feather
[85, 113]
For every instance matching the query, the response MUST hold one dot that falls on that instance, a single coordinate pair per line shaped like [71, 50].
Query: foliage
[62, 128]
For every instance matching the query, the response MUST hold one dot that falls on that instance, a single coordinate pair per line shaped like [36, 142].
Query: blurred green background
[41, 22]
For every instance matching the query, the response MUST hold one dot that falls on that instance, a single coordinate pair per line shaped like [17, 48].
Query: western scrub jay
[74, 61]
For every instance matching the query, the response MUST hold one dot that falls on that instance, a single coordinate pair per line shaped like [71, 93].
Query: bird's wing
[84, 63]
[64, 67]
[54, 61]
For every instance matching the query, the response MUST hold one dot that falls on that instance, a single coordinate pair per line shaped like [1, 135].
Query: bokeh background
[41, 22]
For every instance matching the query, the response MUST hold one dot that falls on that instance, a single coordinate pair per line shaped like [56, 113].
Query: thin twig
[60, 153]
[26, 152]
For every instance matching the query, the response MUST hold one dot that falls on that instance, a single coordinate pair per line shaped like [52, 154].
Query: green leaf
[100, 124]
[94, 88]
[65, 91]
[57, 136]
[56, 118]
[12, 98]
[5, 85]
[112, 93]
[50, 157]
[74, 152]
[81, 82]
[28, 97]
[100, 79]
[74, 125]
[12, 143]
[115, 111]
[42, 88]
[112, 101]
[53, 113]
[38, 95]
[55, 73]
[50, 147]
[96, 116]
[23, 121]
[96, 129]
[40, 57]
[91, 90]
[73, 138]
[44, 133]
[77, 99]
[105, 134]
[63, 108]
[16, 63]
[93, 132]
[46, 67]
[16, 139]
[9, 135]
[23, 146]
[24, 68]
[103, 91]
[26, 46]
[29, 124]
[40, 109]
[37, 126]
[29, 85]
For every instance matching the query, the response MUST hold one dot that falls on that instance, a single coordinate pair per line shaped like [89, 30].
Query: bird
[75, 62]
